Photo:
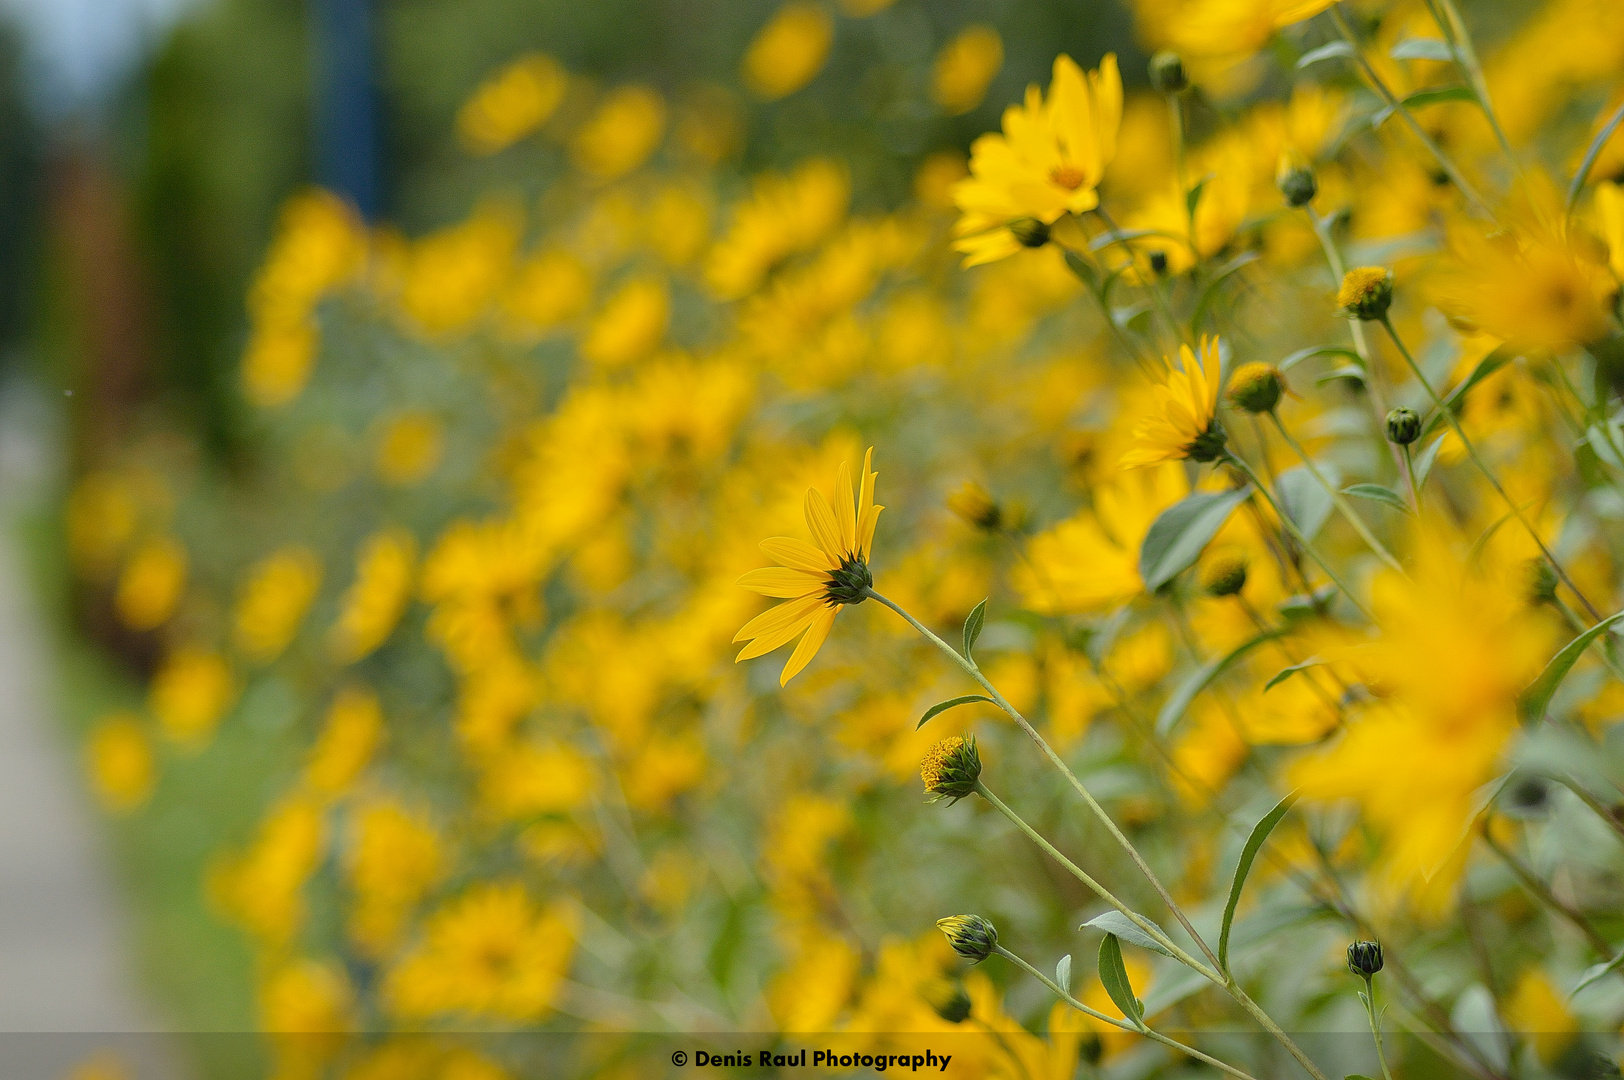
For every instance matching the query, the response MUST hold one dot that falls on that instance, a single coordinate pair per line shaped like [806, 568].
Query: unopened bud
[1255, 387]
[950, 1001]
[971, 936]
[1366, 293]
[972, 502]
[1403, 426]
[1295, 178]
[1540, 583]
[1365, 958]
[1167, 73]
[951, 768]
[1030, 232]
[1224, 574]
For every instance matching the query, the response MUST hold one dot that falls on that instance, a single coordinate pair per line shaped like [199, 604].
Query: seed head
[1403, 426]
[1224, 574]
[1030, 232]
[1365, 958]
[951, 768]
[971, 936]
[1255, 387]
[1366, 293]
[1167, 73]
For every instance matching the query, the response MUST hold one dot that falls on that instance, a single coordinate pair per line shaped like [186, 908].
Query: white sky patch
[79, 51]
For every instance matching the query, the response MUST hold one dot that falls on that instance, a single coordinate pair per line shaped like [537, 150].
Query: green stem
[1543, 894]
[969, 667]
[1099, 890]
[1375, 1026]
[1482, 467]
[1403, 111]
[1596, 805]
[1337, 498]
[1296, 533]
[1137, 1029]
[1153, 287]
[1409, 470]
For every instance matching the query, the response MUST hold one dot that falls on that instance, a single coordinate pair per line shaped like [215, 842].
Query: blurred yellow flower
[489, 954]
[372, 606]
[347, 742]
[396, 857]
[512, 103]
[1184, 421]
[308, 1008]
[630, 325]
[965, 68]
[621, 134]
[262, 889]
[817, 581]
[1530, 289]
[1236, 28]
[784, 214]
[1047, 162]
[1539, 1011]
[277, 362]
[451, 276]
[151, 585]
[274, 598]
[549, 289]
[189, 694]
[409, 448]
[1610, 209]
[119, 759]
[102, 514]
[788, 51]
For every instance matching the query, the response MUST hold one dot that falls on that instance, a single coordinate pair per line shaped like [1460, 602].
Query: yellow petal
[845, 509]
[782, 581]
[766, 643]
[810, 644]
[865, 531]
[821, 521]
[797, 554]
[774, 619]
[865, 497]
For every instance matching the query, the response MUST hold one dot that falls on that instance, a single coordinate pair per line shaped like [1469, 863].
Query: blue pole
[346, 107]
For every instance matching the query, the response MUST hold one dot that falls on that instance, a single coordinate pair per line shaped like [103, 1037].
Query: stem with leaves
[1337, 498]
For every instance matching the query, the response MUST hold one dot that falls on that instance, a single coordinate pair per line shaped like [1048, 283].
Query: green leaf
[1208, 291]
[1596, 971]
[1378, 493]
[1355, 372]
[1319, 350]
[1062, 973]
[1487, 366]
[1325, 52]
[1192, 198]
[1303, 499]
[1435, 96]
[1591, 154]
[943, 706]
[1423, 464]
[972, 627]
[1254, 844]
[1083, 270]
[1115, 978]
[1422, 48]
[1356, 1076]
[1116, 924]
[1174, 707]
[1532, 703]
[1285, 673]
[1180, 532]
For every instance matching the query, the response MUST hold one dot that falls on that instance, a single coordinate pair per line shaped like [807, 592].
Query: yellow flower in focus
[788, 51]
[346, 744]
[409, 448]
[373, 605]
[150, 587]
[548, 290]
[621, 134]
[817, 581]
[396, 858]
[965, 68]
[274, 599]
[630, 325]
[491, 954]
[1539, 1011]
[1046, 163]
[118, 757]
[189, 694]
[512, 103]
[1185, 421]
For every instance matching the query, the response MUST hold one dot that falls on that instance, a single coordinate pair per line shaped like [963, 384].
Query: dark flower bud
[1403, 426]
[950, 1002]
[1295, 179]
[1540, 584]
[1030, 232]
[1167, 73]
[971, 936]
[1255, 387]
[1224, 574]
[1365, 958]
[1158, 263]
[976, 506]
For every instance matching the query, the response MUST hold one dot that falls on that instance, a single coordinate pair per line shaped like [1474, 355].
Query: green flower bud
[1365, 958]
[951, 768]
[950, 1002]
[971, 936]
[1403, 426]
[1366, 293]
[1167, 73]
[1030, 232]
[1224, 574]
[1209, 445]
[1295, 179]
[1539, 586]
[1255, 387]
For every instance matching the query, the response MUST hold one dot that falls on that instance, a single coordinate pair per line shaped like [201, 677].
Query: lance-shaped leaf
[1062, 973]
[1378, 493]
[1426, 459]
[1178, 702]
[1285, 673]
[1320, 350]
[1412, 102]
[972, 627]
[1115, 923]
[1325, 52]
[943, 706]
[1533, 702]
[1180, 532]
[1596, 971]
[1254, 844]
[1114, 976]
[1422, 48]
[1303, 499]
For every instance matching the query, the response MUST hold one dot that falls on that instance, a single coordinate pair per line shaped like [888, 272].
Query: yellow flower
[817, 581]
[548, 290]
[396, 858]
[274, 600]
[1185, 421]
[151, 585]
[1610, 209]
[964, 69]
[1534, 290]
[512, 103]
[409, 447]
[1047, 162]
[118, 756]
[490, 953]
[189, 694]
[308, 1008]
[373, 605]
[784, 214]
[345, 746]
[788, 51]
[1537, 1009]
[1237, 28]
[621, 134]
[631, 324]
[451, 276]
[262, 889]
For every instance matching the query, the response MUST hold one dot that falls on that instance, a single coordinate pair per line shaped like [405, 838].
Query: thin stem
[1099, 890]
[1601, 810]
[1409, 470]
[1337, 498]
[1375, 1026]
[1544, 895]
[1137, 1029]
[1152, 287]
[1296, 533]
[1403, 111]
[970, 669]
[1482, 467]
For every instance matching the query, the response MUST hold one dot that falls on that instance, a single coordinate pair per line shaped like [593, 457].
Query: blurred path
[63, 950]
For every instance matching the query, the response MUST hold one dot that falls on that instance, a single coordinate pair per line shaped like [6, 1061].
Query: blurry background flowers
[397, 391]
